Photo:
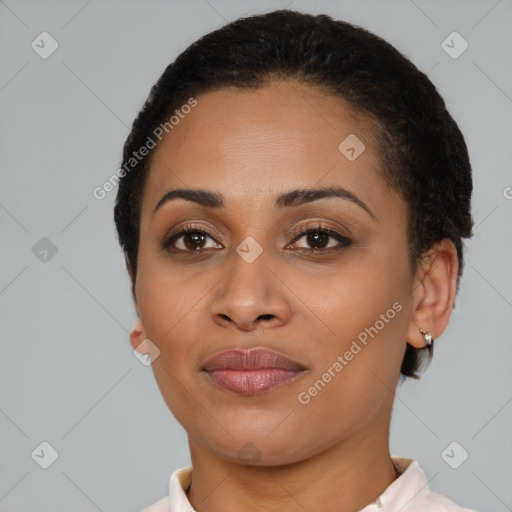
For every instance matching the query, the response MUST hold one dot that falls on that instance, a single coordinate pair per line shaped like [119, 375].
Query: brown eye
[317, 240]
[320, 238]
[190, 240]
[194, 241]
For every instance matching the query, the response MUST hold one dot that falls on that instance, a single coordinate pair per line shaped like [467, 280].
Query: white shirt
[410, 492]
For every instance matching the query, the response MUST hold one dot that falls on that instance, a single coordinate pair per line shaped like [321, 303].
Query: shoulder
[411, 492]
[435, 502]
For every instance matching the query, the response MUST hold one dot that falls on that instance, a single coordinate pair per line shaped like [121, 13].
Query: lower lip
[252, 382]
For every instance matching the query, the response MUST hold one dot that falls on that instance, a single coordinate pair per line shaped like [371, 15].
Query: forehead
[251, 143]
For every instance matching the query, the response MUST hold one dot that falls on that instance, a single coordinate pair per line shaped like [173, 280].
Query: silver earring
[428, 337]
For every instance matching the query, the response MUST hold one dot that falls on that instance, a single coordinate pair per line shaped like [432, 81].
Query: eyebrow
[295, 197]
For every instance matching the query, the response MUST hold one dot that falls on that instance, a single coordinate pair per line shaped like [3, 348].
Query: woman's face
[341, 312]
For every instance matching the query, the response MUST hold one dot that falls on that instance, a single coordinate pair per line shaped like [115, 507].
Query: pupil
[196, 237]
[317, 239]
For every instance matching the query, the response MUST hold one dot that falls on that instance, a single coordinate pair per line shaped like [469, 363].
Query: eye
[317, 237]
[190, 239]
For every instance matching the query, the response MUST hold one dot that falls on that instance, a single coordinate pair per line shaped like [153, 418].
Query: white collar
[410, 492]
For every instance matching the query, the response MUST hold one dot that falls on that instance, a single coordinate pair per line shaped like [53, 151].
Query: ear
[434, 290]
[137, 334]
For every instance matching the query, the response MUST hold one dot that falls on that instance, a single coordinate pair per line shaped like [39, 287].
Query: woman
[293, 200]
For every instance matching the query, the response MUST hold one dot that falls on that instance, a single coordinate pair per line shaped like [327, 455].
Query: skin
[333, 452]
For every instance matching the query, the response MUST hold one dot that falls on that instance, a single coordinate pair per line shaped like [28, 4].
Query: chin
[256, 451]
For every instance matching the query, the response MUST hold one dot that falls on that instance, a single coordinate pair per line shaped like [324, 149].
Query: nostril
[266, 317]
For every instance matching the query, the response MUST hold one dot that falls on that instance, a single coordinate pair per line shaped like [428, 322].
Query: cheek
[363, 311]
[168, 307]
[351, 297]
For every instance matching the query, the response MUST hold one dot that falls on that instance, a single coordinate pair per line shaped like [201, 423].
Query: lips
[253, 359]
[248, 372]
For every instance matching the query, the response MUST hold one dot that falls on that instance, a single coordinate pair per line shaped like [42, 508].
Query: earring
[428, 337]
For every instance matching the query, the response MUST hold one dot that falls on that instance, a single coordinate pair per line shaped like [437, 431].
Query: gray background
[67, 371]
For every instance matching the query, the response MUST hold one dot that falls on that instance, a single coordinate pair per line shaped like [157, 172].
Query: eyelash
[319, 228]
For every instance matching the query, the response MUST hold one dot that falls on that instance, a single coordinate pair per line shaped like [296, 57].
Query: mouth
[250, 372]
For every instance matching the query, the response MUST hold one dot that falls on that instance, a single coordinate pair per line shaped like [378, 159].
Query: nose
[251, 296]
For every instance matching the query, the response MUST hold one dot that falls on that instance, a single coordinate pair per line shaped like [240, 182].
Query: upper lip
[250, 359]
